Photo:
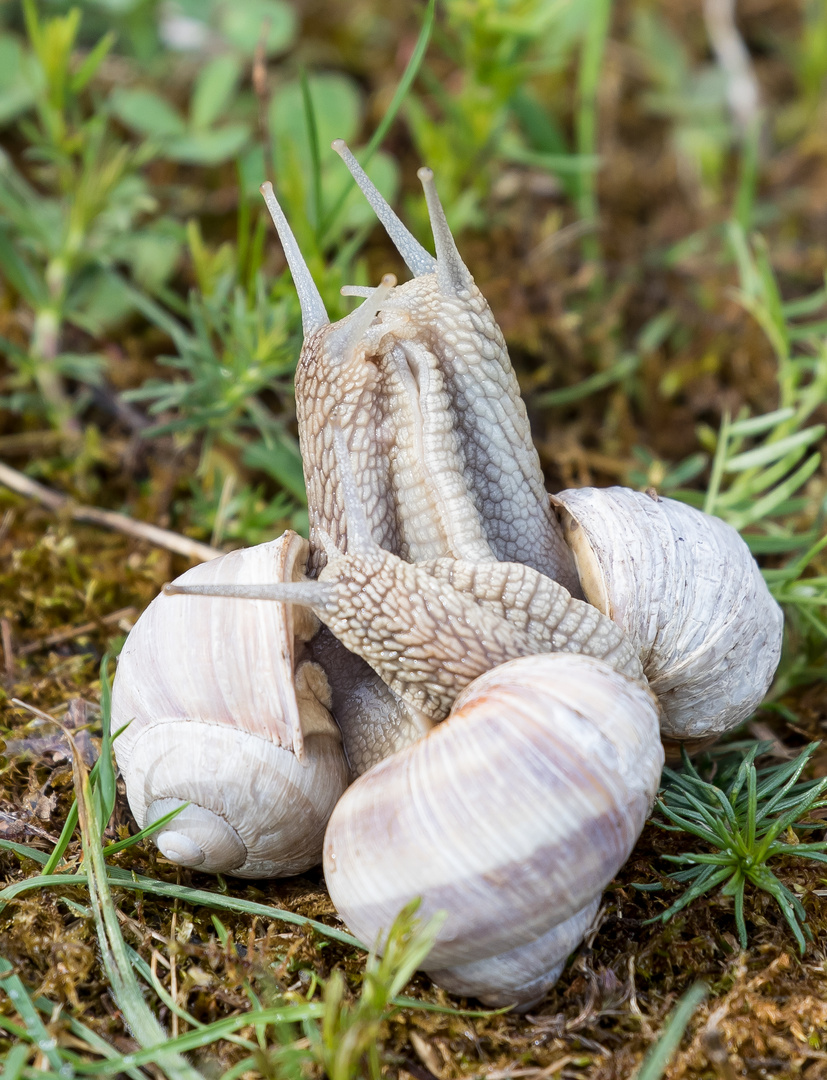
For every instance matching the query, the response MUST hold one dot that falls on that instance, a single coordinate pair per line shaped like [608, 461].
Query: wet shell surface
[479, 816]
[687, 591]
[223, 714]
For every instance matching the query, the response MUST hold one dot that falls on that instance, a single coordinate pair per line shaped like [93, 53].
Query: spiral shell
[225, 714]
[687, 591]
[479, 817]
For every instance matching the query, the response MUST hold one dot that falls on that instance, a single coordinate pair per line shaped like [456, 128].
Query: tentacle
[452, 273]
[314, 315]
[356, 290]
[417, 259]
[313, 594]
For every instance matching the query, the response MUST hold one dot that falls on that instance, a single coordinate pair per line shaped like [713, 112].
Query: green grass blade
[125, 988]
[655, 1063]
[122, 879]
[396, 102]
[144, 834]
[15, 1062]
[716, 476]
[200, 1037]
[772, 502]
[405, 83]
[773, 451]
[619, 371]
[741, 775]
[25, 851]
[788, 908]
[588, 76]
[12, 985]
[738, 893]
[106, 789]
[705, 882]
[315, 157]
[752, 807]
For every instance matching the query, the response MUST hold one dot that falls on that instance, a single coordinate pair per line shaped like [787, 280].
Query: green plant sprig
[742, 816]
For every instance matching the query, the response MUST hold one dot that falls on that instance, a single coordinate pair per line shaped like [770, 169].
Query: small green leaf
[93, 61]
[106, 790]
[661, 1053]
[20, 275]
[214, 90]
[758, 806]
[147, 113]
[246, 24]
[18, 79]
[208, 147]
[282, 461]
[773, 451]
[337, 103]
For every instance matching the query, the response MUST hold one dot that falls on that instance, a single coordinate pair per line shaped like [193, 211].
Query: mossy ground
[563, 315]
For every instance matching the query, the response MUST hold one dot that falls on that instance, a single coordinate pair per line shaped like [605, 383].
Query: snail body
[420, 381]
[426, 638]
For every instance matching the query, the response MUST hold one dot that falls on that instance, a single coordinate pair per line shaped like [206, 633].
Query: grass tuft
[748, 816]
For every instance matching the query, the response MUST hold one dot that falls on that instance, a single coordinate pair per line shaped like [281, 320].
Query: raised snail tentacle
[450, 586]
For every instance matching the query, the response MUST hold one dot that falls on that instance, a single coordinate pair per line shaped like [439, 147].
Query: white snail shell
[224, 714]
[512, 816]
[521, 976]
[688, 593]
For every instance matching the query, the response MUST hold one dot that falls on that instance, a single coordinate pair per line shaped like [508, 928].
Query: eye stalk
[314, 315]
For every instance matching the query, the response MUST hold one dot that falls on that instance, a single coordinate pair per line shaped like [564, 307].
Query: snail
[420, 381]
[450, 586]
[512, 816]
[682, 583]
[204, 678]
[477, 816]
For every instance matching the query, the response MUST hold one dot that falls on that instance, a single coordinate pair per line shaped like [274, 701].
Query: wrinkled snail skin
[226, 714]
[373, 720]
[689, 595]
[542, 609]
[426, 639]
[420, 380]
[480, 816]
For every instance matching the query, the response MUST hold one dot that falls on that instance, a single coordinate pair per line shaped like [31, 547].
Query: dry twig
[108, 519]
[70, 632]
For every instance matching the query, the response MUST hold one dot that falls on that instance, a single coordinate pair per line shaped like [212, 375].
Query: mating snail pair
[559, 637]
